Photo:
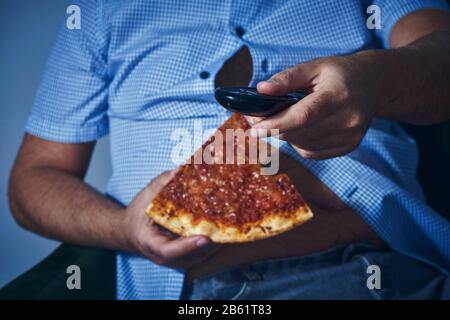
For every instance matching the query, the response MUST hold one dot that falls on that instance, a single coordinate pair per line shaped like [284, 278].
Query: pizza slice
[228, 202]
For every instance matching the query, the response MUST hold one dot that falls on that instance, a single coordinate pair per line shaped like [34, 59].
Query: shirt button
[264, 65]
[239, 31]
[204, 74]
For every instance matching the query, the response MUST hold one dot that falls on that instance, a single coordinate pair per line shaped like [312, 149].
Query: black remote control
[249, 102]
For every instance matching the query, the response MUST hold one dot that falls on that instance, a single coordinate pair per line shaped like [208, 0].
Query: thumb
[299, 77]
[157, 184]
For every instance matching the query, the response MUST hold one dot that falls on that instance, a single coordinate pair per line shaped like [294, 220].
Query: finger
[319, 130]
[332, 127]
[325, 154]
[169, 235]
[308, 111]
[296, 78]
[158, 183]
[253, 120]
[160, 243]
[155, 236]
[328, 142]
[183, 246]
[195, 258]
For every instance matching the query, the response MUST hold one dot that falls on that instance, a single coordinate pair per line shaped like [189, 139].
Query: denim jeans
[339, 273]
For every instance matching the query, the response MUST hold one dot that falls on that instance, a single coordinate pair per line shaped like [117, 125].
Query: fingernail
[258, 132]
[272, 81]
[201, 242]
[254, 132]
[250, 120]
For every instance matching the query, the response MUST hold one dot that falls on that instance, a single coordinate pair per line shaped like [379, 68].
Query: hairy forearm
[61, 206]
[413, 81]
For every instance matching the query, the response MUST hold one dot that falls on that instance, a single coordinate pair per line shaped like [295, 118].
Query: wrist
[373, 63]
[390, 73]
[123, 229]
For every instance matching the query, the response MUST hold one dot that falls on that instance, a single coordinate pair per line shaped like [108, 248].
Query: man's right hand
[157, 243]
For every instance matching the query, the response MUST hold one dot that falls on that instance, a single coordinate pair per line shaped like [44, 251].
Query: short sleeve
[393, 10]
[71, 102]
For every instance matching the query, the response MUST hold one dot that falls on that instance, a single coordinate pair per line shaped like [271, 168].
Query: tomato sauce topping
[230, 194]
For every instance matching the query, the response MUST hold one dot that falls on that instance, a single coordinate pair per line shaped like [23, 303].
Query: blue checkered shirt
[138, 70]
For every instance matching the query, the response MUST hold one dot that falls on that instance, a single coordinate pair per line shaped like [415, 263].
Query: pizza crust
[184, 224]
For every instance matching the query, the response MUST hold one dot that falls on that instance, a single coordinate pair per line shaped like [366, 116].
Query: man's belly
[333, 224]
[316, 235]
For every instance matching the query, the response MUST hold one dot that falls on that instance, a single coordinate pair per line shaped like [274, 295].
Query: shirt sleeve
[71, 102]
[393, 10]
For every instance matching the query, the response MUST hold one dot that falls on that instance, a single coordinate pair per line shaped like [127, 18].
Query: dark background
[434, 163]
[28, 30]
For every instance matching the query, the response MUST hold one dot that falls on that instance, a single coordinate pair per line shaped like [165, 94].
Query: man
[139, 70]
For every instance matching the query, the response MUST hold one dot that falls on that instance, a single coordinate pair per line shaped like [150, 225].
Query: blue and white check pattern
[133, 71]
